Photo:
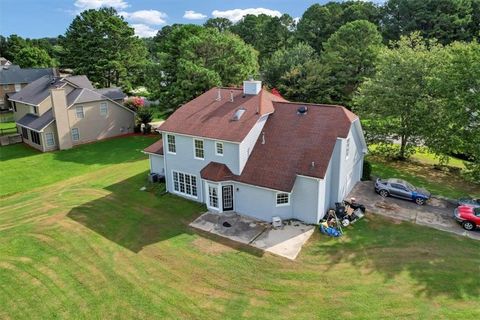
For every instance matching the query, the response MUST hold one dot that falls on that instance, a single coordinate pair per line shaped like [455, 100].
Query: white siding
[156, 164]
[246, 146]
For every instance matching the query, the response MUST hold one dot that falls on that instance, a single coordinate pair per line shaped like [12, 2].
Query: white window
[18, 87]
[33, 109]
[213, 196]
[5, 87]
[79, 112]
[103, 109]
[199, 152]
[347, 151]
[75, 134]
[171, 146]
[185, 183]
[219, 148]
[50, 139]
[283, 199]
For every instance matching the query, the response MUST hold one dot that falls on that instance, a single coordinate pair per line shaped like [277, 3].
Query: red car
[468, 216]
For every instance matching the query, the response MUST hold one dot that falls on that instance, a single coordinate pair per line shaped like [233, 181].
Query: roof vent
[302, 110]
[231, 95]
[238, 114]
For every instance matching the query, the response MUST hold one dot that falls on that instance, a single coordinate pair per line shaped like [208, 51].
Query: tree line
[409, 68]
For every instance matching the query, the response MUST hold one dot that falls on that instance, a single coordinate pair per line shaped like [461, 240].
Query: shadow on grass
[439, 263]
[135, 219]
[17, 151]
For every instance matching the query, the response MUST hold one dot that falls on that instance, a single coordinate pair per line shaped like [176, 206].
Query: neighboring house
[4, 62]
[13, 79]
[254, 153]
[60, 112]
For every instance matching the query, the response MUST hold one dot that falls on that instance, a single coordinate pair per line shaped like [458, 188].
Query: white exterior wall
[246, 146]
[344, 172]
[156, 163]
[184, 161]
[259, 203]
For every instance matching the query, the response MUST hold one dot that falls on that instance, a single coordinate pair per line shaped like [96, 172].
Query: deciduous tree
[394, 102]
[33, 57]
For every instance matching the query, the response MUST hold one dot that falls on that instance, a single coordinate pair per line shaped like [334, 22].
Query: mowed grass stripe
[108, 250]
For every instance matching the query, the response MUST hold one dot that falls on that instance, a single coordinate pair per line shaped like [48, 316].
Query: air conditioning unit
[152, 177]
[277, 222]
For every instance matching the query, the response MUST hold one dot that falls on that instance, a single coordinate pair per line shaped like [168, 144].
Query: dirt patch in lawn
[210, 247]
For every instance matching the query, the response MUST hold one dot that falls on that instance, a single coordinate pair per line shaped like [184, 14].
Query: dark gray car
[474, 203]
[401, 189]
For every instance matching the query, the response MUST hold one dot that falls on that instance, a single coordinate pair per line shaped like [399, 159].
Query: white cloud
[152, 17]
[235, 15]
[96, 4]
[192, 15]
[144, 31]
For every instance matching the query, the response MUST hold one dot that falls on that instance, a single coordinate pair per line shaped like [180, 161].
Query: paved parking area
[436, 213]
[285, 242]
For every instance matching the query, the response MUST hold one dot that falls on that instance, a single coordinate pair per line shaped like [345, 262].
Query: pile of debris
[344, 214]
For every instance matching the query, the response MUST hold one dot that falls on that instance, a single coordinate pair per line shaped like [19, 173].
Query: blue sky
[48, 18]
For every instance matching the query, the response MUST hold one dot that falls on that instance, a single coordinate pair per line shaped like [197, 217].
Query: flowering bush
[134, 103]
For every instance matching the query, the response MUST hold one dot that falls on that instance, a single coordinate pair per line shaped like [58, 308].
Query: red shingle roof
[156, 148]
[206, 117]
[215, 171]
[293, 142]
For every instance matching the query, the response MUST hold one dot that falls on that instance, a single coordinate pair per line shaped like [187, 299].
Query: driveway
[286, 241]
[437, 213]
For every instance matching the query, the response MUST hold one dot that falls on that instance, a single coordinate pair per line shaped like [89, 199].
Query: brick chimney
[60, 112]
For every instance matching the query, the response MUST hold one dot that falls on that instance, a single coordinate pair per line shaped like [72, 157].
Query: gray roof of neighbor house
[38, 90]
[35, 122]
[12, 74]
[112, 93]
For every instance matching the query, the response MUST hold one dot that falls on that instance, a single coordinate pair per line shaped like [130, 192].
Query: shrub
[147, 129]
[367, 170]
[145, 115]
[134, 103]
[472, 172]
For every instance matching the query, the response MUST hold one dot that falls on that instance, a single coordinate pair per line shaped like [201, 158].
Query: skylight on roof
[238, 114]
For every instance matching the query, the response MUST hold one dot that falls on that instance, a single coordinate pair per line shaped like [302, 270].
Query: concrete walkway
[285, 242]
[437, 213]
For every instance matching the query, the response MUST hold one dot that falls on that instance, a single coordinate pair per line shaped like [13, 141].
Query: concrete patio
[286, 241]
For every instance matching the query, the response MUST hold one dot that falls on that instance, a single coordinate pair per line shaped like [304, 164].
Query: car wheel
[420, 201]
[467, 225]
[383, 193]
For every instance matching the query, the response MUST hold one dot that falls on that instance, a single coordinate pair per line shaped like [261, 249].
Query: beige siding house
[60, 112]
[13, 79]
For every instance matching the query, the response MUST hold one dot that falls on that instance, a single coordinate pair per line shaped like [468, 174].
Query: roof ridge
[313, 104]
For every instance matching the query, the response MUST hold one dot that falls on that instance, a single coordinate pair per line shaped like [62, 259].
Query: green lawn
[24, 168]
[7, 125]
[438, 182]
[91, 245]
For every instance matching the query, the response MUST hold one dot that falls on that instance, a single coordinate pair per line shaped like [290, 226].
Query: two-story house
[252, 152]
[13, 79]
[61, 112]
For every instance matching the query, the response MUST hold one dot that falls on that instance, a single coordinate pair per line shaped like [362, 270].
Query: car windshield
[410, 186]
